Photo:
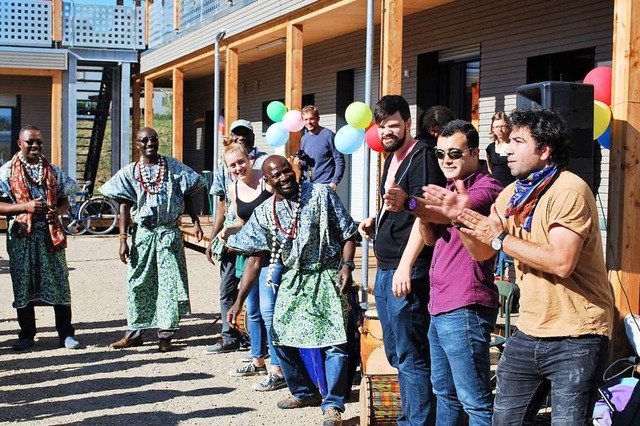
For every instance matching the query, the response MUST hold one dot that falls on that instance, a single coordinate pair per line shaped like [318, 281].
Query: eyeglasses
[453, 153]
[148, 139]
[32, 141]
[500, 127]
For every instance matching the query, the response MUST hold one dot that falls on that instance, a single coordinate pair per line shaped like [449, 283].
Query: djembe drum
[242, 321]
[370, 336]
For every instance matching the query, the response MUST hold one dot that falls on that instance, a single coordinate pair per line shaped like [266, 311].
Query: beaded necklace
[38, 167]
[152, 186]
[276, 252]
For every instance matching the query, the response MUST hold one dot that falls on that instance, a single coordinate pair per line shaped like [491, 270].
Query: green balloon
[276, 110]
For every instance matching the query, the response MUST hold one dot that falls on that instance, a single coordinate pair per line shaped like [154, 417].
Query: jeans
[570, 367]
[336, 363]
[228, 295]
[260, 303]
[267, 302]
[27, 321]
[460, 369]
[405, 325]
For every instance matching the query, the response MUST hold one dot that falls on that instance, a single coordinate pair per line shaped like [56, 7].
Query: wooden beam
[257, 36]
[176, 15]
[28, 72]
[319, 12]
[148, 102]
[178, 114]
[391, 48]
[56, 20]
[231, 89]
[135, 124]
[293, 79]
[147, 20]
[623, 242]
[56, 119]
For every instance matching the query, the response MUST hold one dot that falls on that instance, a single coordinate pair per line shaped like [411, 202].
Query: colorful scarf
[19, 183]
[528, 191]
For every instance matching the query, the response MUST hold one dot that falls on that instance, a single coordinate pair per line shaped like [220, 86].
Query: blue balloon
[348, 139]
[277, 135]
[605, 138]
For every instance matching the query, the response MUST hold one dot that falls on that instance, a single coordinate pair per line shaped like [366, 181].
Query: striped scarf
[528, 191]
[19, 183]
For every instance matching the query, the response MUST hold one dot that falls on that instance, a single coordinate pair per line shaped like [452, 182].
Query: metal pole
[216, 97]
[367, 151]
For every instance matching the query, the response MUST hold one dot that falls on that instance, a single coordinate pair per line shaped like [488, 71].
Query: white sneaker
[71, 343]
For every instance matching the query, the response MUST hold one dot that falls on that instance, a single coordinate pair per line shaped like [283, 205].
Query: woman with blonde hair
[496, 155]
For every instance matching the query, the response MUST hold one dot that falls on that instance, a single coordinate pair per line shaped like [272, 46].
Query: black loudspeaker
[574, 102]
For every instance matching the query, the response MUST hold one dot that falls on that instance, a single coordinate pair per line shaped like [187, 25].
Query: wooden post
[56, 21]
[178, 113]
[56, 118]
[391, 48]
[176, 15]
[231, 88]
[148, 102]
[623, 242]
[135, 125]
[147, 20]
[293, 79]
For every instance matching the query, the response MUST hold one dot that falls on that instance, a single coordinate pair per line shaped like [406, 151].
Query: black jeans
[27, 321]
[228, 295]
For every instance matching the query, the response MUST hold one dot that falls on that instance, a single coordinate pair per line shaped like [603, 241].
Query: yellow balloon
[601, 118]
[358, 115]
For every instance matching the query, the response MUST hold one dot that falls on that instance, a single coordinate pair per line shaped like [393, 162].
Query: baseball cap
[241, 123]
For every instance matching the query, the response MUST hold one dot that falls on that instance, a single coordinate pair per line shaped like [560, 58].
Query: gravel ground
[137, 386]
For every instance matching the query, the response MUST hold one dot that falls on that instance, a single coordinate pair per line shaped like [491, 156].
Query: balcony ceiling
[318, 27]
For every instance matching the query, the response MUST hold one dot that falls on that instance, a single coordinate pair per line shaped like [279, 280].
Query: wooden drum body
[370, 336]
[242, 321]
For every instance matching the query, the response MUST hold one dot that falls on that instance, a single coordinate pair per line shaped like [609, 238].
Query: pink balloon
[372, 138]
[292, 121]
[600, 77]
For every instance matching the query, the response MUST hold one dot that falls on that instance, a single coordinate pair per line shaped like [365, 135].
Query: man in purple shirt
[327, 163]
[464, 300]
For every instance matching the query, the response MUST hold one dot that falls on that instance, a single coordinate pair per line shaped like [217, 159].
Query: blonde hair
[499, 115]
[234, 147]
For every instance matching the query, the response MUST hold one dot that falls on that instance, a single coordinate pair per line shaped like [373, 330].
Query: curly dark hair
[389, 105]
[547, 128]
[437, 115]
[464, 127]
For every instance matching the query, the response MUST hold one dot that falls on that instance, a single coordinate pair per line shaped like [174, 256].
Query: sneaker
[221, 347]
[249, 370]
[69, 342]
[332, 417]
[22, 344]
[271, 383]
[293, 402]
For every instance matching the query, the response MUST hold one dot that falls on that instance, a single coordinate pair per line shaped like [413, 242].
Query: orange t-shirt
[582, 303]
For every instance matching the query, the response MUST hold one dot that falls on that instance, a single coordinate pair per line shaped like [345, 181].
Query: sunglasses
[453, 153]
[148, 139]
[33, 141]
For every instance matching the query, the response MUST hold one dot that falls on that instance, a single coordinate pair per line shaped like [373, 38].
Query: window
[570, 66]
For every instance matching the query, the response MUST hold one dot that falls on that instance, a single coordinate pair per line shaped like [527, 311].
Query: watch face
[496, 244]
[412, 204]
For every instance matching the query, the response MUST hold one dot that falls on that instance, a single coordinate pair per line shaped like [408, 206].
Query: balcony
[29, 23]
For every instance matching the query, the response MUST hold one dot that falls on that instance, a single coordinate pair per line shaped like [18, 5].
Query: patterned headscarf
[19, 183]
[528, 191]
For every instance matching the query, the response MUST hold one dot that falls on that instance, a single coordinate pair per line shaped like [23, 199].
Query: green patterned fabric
[309, 312]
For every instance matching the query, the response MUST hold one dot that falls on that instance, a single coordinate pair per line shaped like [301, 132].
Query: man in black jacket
[403, 310]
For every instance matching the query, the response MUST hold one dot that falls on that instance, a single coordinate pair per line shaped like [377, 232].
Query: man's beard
[396, 145]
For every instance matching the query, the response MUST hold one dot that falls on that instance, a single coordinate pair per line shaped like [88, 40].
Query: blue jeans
[460, 369]
[260, 302]
[267, 302]
[405, 325]
[336, 363]
[530, 367]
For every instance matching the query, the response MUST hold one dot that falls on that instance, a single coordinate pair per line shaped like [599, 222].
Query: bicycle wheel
[70, 224]
[99, 215]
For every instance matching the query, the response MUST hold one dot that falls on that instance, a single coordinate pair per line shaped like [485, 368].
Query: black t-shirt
[499, 168]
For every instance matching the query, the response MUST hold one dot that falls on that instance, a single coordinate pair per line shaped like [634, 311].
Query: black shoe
[221, 347]
[22, 344]
[164, 345]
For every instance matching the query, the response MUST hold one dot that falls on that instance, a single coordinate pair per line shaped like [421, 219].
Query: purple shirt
[456, 279]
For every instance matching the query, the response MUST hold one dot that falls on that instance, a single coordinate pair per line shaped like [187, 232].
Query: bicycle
[97, 215]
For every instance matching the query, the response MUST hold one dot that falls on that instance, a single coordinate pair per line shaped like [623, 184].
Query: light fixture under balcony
[273, 43]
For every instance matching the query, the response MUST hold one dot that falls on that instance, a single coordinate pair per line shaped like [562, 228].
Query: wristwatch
[411, 204]
[350, 264]
[496, 243]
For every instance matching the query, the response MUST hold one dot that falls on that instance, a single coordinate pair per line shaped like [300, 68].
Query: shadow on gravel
[161, 417]
[49, 409]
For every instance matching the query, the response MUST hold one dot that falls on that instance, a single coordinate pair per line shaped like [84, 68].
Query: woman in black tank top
[246, 195]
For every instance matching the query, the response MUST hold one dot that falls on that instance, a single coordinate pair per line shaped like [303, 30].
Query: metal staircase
[94, 91]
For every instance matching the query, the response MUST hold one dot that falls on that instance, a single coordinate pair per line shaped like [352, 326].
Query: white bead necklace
[38, 168]
[155, 185]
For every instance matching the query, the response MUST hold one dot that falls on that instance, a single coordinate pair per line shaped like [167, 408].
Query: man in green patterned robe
[153, 192]
[308, 228]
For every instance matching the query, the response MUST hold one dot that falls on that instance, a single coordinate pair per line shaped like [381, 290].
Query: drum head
[377, 363]
[371, 313]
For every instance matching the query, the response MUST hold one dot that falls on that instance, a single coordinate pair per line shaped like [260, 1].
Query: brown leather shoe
[125, 342]
[293, 402]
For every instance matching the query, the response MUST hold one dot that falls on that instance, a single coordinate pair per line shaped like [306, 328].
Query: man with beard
[154, 192]
[402, 309]
[33, 192]
[306, 227]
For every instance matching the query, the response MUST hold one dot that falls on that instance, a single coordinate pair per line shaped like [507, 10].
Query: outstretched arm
[249, 278]
[191, 209]
[123, 226]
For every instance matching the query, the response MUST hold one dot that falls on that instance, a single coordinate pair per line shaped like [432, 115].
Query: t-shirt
[499, 167]
[457, 280]
[327, 162]
[582, 303]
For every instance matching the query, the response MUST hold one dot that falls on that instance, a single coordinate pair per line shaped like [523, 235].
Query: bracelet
[122, 237]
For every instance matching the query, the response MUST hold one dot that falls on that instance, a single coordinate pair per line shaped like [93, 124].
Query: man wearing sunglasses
[463, 297]
[403, 313]
[547, 220]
